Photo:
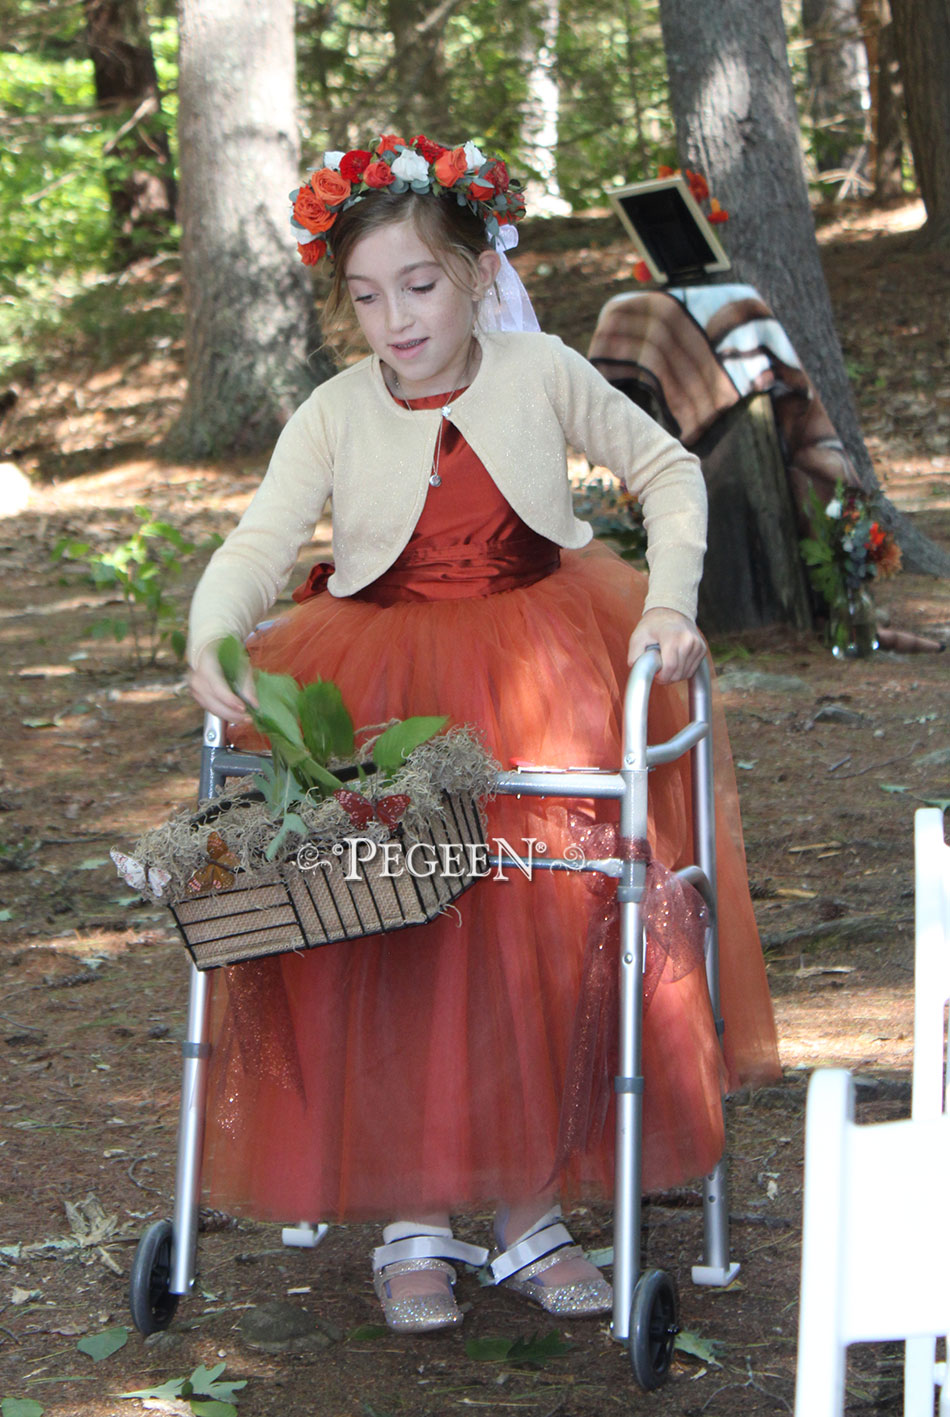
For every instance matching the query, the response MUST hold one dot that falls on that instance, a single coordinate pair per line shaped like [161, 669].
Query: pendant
[435, 480]
[447, 411]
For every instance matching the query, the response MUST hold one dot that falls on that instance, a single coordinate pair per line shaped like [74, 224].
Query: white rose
[333, 160]
[833, 509]
[411, 167]
[474, 157]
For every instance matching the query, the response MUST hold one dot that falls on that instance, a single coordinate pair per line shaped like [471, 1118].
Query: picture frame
[669, 230]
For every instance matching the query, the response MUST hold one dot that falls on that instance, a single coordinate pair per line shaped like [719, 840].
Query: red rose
[310, 212]
[497, 174]
[450, 166]
[312, 252]
[387, 142]
[430, 151]
[330, 187]
[378, 174]
[641, 272]
[697, 185]
[354, 164]
[716, 212]
[481, 190]
[667, 171]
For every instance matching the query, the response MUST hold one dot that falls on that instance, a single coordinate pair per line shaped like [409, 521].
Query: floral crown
[478, 182]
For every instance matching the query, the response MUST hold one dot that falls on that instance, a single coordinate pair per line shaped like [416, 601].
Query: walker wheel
[152, 1303]
[653, 1328]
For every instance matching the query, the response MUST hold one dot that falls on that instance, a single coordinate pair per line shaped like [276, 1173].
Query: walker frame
[645, 1304]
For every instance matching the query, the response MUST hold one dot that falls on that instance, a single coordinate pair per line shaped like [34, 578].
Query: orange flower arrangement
[421, 165]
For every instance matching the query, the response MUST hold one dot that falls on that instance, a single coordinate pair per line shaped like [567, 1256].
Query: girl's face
[411, 313]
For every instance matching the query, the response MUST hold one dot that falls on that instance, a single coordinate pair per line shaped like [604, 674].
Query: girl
[409, 1076]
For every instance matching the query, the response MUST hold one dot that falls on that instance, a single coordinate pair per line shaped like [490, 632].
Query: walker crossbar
[629, 788]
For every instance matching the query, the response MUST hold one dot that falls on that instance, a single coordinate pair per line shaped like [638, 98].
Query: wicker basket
[286, 907]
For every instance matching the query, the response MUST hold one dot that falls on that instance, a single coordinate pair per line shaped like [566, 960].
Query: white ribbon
[507, 306]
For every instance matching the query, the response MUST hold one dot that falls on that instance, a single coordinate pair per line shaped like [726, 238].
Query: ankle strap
[544, 1236]
[428, 1247]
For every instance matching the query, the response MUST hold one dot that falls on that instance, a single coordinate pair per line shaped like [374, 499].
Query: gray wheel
[152, 1303]
[653, 1328]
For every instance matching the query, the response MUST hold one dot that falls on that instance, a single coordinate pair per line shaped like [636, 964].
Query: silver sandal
[409, 1248]
[519, 1267]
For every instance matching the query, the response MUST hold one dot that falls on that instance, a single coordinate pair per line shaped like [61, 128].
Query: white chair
[931, 1089]
[876, 1238]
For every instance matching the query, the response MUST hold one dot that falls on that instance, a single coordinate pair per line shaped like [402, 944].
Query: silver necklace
[446, 411]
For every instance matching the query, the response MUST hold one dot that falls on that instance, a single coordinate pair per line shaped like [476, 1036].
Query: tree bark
[837, 87]
[736, 122]
[922, 40]
[250, 323]
[753, 573]
[887, 141]
[138, 166]
[418, 30]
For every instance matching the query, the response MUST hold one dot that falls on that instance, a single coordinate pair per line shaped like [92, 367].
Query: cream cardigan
[531, 397]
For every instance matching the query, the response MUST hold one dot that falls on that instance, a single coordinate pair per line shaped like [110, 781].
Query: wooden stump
[753, 573]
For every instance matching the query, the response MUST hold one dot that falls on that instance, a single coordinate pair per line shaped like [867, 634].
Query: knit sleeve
[247, 573]
[613, 432]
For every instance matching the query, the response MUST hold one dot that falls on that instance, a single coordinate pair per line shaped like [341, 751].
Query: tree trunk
[138, 166]
[541, 115]
[837, 89]
[250, 323]
[736, 121]
[418, 31]
[753, 573]
[887, 141]
[922, 40]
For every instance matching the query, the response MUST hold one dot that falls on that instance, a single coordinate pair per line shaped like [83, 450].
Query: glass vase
[852, 626]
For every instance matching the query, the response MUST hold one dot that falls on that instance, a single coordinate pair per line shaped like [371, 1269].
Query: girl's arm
[682, 648]
[614, 432]
[246, 574]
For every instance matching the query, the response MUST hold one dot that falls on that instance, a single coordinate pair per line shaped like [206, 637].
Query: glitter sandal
[521, 1265]
[410, 1248]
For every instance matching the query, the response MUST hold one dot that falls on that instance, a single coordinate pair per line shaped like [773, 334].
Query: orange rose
[312, 252]
[378, 174]
[450, 167]
[889, 560]
[716, 212]
[641, 272]
[667, 171]
[389, 142]
[330, 187]
[310, 212]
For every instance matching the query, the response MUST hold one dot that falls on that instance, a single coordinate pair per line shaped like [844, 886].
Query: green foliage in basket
[308, 729]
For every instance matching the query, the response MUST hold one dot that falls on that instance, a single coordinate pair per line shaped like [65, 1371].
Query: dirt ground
[832, 759]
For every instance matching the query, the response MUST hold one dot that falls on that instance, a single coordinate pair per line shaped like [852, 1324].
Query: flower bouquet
[339, 834]
[847, 549]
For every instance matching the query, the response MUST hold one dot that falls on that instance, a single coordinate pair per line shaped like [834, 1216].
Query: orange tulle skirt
[424, 1070]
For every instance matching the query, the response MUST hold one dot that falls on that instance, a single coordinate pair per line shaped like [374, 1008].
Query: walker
[645, 1303]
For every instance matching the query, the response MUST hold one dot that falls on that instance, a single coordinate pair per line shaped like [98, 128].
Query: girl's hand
[212, 690]
[682, 647]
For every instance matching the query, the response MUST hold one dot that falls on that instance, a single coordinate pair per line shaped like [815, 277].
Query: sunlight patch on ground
[870, 1029]
[14, 490]
[870, 223]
